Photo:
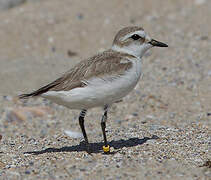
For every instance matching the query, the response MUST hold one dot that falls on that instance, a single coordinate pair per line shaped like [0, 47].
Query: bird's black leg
[81, 122]
[106, 148]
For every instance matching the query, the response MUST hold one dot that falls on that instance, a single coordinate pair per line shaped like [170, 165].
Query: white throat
[132, 50]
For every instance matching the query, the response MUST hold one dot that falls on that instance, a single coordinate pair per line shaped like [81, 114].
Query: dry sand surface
[161, 130]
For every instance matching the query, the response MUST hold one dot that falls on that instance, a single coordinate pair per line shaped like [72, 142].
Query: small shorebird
[102, 79]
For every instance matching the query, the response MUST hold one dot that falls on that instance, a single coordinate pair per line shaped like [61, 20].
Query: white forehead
[141, 33]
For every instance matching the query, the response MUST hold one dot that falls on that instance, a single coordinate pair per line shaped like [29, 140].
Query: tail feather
[24, 96]
[38, 92]
[35, 93]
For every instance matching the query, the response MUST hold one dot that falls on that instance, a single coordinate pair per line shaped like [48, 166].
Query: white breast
[98, 92]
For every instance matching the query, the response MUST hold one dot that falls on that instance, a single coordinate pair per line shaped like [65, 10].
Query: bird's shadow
[96, 147]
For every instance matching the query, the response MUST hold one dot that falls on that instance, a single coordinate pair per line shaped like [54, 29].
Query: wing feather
[104, 64]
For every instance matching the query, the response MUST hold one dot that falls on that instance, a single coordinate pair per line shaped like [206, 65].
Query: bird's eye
[135, 37]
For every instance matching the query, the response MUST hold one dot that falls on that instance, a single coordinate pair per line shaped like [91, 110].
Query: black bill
[157, 43]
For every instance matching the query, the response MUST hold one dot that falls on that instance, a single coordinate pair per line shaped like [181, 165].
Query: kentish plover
[103, 79]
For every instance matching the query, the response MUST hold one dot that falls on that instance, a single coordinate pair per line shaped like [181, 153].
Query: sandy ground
[160, 131]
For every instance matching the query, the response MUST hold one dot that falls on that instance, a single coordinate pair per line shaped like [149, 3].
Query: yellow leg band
[106, 149]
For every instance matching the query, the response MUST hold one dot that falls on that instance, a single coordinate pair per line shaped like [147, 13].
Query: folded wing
[109, 63]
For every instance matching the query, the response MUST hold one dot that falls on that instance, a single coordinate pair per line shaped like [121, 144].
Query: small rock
[150, 117]
[50, 39]
[2, 165]
[80, 16]
[155, 137]
[164, 68]
[71, 53]
[151, 141]
[135, 114]
[172, 115]
[27, 172]
[155, 127]
[31, 163]
[132, 20]
[203, 38]
[53, 49]
[73, 134]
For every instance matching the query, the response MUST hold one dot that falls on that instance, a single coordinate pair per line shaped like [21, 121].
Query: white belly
[98, 92]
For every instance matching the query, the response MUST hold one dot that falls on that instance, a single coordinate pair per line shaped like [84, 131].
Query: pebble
[150, 117]
[135, 114]
[172, 115]
[80, 16]
[71, 53]
[2, 165]
[203, 38]
[27, 172]
[50, 39]
[156, 127]
[151, 141]
[73, 134]
[53, 49]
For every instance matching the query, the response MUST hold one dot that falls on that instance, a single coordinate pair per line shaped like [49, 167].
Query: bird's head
[135, 41]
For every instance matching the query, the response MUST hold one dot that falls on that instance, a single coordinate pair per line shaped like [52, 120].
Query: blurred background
[41, 39]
